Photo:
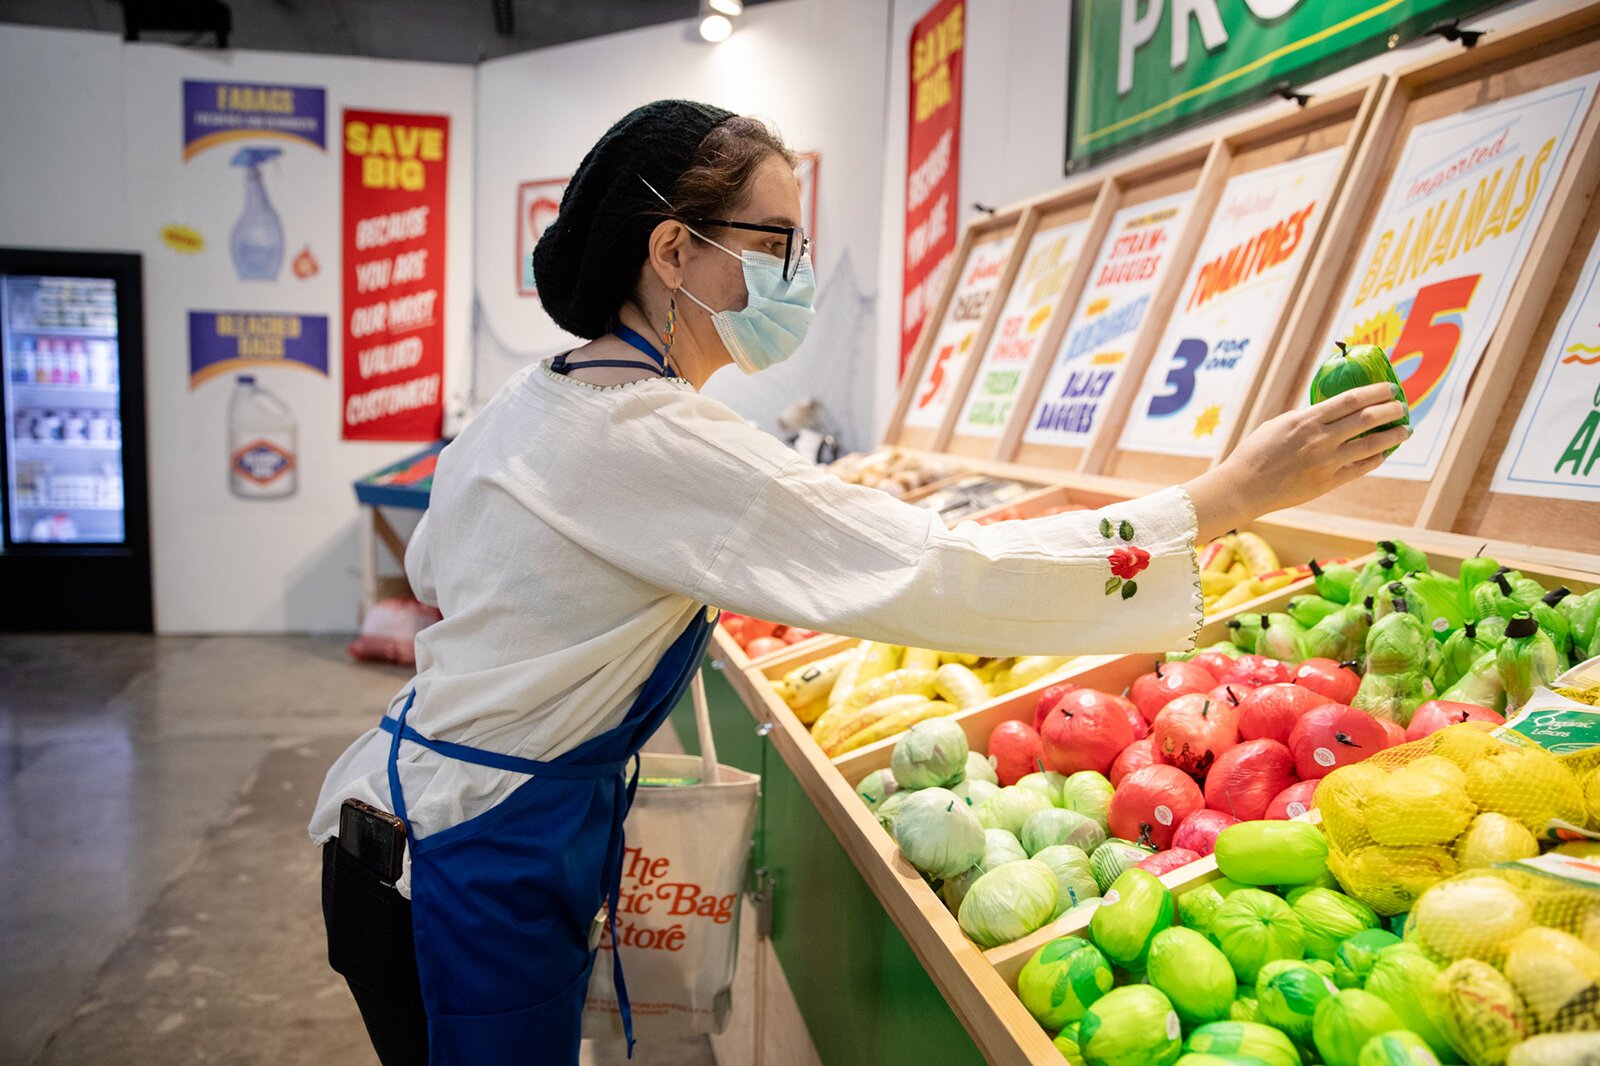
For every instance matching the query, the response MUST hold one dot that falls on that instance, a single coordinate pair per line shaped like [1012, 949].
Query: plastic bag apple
[1198, 832]
[1232, 694]
[1211, 661]
[1293, 801]
[1394, 731]
[1164, 862]
[1087, 730]
[1150, 803]
[1141, 728]
[1191, 732]
[1245, 780]
[1332, 736]
[1328, 678]
[1272, 710]
[1141, 752]
[1153, 691]
[1016, 751]
[1047, 701]
[1437, 714]
[1256, 670]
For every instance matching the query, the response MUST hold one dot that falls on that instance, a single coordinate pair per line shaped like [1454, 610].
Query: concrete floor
[160, 896]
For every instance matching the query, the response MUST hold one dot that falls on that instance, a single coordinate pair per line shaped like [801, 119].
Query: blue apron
[502, 905]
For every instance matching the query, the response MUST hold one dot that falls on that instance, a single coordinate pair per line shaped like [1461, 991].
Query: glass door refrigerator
[75, 551]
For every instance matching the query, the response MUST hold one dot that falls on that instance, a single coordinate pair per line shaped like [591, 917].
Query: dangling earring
[672, 322]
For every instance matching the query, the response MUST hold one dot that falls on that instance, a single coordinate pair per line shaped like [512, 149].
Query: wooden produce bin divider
[1500, 67]
[1333, 121]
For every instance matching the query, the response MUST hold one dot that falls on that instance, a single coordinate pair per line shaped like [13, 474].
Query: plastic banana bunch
[874, 691]
[1238, 567]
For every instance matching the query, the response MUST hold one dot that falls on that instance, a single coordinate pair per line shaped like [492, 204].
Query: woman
[585, 527]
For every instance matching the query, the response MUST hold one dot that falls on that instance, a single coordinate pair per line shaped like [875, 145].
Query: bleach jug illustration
[257, 241]
[262, 438]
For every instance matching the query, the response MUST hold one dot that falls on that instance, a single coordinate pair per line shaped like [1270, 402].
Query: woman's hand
[1297, 457]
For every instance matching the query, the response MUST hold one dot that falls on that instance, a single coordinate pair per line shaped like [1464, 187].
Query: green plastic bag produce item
[1045, 782]
[1130, 1026]
[1461, 650]
[1010, 809]
[1075, 881]
[1197, 906]
[1478, 1011]
[1345, 1022]
[1355, 957]
[1248, 1042]
[889, 809]
[1398, 1048]
[1527, 660]
[1309, 610]
[1434, 598]
[1410, 559]
[1287, 994]
[932, 754]
[1377, 573]
[1057, 826]
[975, 791]
[1193, 974]
[1329, 918]
[1135, 908]
[1342, 636]
[979, 768]
[1088, 793]
[1008, 903]
[1062, 980]
[938, 833]
[1115, 856]
[1245, 631]
[1333, 582]
[1254, 928]
[1550, 618]
[1066, 1042]
[1403, 977]
[999, 848]
[1395, 684]
[1272, 852]
[1245, 1009]
[1353, 367]
[877, 787]
[1281, 638]
[1481, 683]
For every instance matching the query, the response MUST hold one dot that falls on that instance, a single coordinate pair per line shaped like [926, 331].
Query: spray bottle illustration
[257, 241]
[262, 441]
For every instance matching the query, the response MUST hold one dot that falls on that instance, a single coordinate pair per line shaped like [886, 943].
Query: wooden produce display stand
[880, 969]
[1460, 211]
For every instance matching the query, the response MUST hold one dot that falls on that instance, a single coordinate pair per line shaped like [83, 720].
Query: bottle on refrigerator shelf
[22, 361]
[262, 440]
[77, 363]
[43, 357]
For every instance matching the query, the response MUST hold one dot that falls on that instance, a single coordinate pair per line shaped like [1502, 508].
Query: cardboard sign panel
[957, 334]
[1431, 280]
[1127, 271]
[1196, 386]
[1024, 321]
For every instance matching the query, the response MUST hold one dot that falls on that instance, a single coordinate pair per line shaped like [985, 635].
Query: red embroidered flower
[1126, 562]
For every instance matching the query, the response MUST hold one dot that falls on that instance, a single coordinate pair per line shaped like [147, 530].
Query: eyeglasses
[796, 243]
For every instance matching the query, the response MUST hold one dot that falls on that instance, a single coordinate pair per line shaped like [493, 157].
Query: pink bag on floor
[389, 632]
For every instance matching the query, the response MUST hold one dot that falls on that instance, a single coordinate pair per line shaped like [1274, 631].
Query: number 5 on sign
[1431, 338]
[936, 375]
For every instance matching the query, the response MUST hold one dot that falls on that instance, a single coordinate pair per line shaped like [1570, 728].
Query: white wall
[814, 68]
[1013, 133]
[94, 160]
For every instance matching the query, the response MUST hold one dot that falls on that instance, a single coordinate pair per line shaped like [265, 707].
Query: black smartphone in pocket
[374, 838]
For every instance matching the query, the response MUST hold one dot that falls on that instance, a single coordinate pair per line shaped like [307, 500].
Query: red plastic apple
[1192, 731]
[1232, 694]
[1436, 714]
[1141, 752]
[1332, 736]
[1153, 691]
[1337, 682]
[1247, 777]
[1272, 710]
[764, 646]
[1016, 750]
[1087, 730]
[1256, 670]
[1047, 701]
[1150, 803]
[1394, 731]
[1198, 832]
[1293, 801]
[1164, 862]
[1212, 662]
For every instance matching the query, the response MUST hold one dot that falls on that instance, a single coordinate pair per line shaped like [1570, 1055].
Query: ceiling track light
[716, 19]
[732, 8]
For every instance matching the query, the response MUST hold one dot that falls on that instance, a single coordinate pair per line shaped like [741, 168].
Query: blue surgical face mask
[775, 317]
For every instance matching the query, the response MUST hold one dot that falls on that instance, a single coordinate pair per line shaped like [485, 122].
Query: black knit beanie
[587, 261]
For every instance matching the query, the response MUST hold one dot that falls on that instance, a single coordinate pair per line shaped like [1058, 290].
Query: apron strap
[559, 365]
[644, 347]
[614, 902]
[494, 759]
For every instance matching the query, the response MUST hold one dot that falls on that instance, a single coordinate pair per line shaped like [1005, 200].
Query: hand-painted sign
[1447, 245]
[933, 165]
[221, 342]
[952, 345]
[1229, 306]
[538, 203]
[1094, 352]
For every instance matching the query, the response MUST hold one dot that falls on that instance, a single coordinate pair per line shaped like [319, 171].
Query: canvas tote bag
[688, 850]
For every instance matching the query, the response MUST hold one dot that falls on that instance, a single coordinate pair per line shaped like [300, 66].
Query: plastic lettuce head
[1088, 793]
[932, 754]
[1008, 903]
[1075, 881]
[938, 834]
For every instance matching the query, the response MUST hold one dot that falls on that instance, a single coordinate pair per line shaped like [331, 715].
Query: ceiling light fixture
[731, 8]
[716, 28]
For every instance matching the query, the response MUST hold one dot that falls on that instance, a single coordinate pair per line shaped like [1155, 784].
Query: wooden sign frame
[1004, 223]
[1182, 170]
[1076, 202]
[1333, 121]
[1501, 66]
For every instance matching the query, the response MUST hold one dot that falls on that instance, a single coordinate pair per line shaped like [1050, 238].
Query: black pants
[370, 944]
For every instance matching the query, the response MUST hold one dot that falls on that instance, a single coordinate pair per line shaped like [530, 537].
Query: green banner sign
[1144, 68]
